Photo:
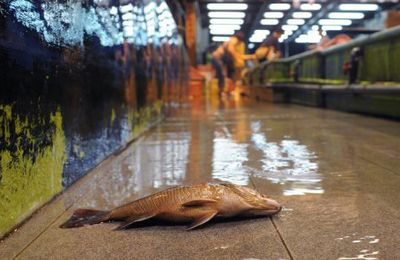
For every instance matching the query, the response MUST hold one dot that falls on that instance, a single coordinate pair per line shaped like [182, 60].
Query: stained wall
[78, 81]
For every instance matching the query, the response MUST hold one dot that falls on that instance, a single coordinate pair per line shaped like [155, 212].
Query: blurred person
[231, 55]
[270, 48]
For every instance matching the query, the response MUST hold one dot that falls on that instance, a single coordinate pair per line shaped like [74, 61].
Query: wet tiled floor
[336, 174]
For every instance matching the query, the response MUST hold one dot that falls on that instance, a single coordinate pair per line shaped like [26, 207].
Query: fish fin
[131, 220]
[82, 217]
[201, 220]
[198, 203]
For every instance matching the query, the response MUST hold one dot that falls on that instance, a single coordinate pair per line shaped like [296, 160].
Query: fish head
[257, 204]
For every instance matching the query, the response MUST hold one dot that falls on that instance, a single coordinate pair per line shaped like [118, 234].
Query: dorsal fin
[199, 203]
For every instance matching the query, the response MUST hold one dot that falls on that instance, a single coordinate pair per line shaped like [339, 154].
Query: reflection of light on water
[368, 254]
[228, 158]
[288, 162]
[66, 24]
[168, 159]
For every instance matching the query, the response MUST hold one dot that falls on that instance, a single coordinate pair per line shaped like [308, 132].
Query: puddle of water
[364, 241]
[288, 163]
[228, 159]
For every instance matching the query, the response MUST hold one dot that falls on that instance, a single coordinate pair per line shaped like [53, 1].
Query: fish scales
[196, 204]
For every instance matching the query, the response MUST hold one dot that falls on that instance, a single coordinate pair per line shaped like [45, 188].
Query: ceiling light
[226, 14]
[334, 22]
[332, 28]
[261, 32]
[279, 6]
[251, 45]
[346, 15]
[256, 39]
[269, 21]
[221, 6]
[222, 31]
[220, 38]
[310, 7]
[315, 28]
[224, 27]
[273, 14]
[288, 33]
[290, 27]
[295, 21]
[226, 21]
[305, 38]
[358, 7]
[302, 15]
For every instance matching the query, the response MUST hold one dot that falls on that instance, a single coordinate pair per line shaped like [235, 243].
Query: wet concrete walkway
[337, 174]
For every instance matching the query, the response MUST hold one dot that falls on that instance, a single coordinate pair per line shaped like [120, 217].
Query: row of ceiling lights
[221, 26]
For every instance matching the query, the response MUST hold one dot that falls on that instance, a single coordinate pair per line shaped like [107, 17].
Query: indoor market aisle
[336, 174]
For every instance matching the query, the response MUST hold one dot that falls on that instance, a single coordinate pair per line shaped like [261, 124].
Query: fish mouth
[273, 206]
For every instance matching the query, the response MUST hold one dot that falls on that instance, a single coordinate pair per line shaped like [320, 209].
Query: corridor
[337, 175]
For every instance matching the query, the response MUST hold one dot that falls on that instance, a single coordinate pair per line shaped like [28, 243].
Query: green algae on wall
[30, 176]
[144, 118]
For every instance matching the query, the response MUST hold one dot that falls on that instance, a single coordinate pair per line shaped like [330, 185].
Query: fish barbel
[196, 204]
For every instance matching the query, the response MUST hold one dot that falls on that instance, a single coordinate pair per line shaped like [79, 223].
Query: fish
[195, 204]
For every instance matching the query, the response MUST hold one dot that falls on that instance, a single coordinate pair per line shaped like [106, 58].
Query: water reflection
[228, 159]
[66, 24]
[288, 163]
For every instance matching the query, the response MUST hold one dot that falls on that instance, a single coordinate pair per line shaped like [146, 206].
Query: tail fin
[83, 217]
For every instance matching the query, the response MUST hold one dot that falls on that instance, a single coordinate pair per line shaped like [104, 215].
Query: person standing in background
[231, 55]
[270, 48]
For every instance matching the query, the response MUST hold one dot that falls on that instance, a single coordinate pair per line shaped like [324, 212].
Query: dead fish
[196, 204]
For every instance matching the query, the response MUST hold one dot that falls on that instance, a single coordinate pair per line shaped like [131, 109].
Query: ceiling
[256, 8]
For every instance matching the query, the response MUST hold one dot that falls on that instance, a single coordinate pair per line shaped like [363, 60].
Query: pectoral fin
[202, 219]
[132, 220]
[199, 203]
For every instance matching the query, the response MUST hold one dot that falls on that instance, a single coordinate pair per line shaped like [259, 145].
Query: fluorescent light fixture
[288, 33]
[231, 6]
[358, 7]
[315, 28]
[290, 27]
[273, 14]
[256, 39]
[310, 7]
[279, 6]
[295, 21]
[251, 45]
[220, 38]
[224, 27]
[261, 32]
[302, 15]
[334, 22]
[226, 21]
[332, 28]
[346, 15]
[226, 14]
[269, 21]
[305, 38]
[222, 32]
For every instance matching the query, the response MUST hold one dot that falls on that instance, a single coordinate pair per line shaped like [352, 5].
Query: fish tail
[83, 217]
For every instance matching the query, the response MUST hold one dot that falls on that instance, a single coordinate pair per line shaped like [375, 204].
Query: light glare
[346, 15]
[226, 21]
[334, 22]
[358, 7]
[295, 21]
[273, 14]
[278, 6]
[305, 15]
[269, 21]
[310, 7]
[221, 6]
[226, 14]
